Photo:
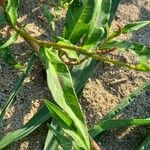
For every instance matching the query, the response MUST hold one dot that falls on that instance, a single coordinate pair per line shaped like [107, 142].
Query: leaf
[6, 56]
[134, 26]
[127, 101]
[64, 142]
[139, 51]
[81, 73]
[115, 124]
[99, 21]
[77, 19]
[119, 108]
[2, 20]
[5, 53]
[51, 142]
[71, 54]
[145, 144]
[11, 11]
[61, 87]
[114, 6]
[17, 87]
[65, 123]
[10, 41]
[41, 116]
[59, 115]
[49, 17]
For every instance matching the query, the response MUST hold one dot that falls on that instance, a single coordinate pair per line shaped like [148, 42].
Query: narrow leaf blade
[11, 11]
[17, 87]
[41, 116]
[115, 124]
[134, 26]
[145, 144]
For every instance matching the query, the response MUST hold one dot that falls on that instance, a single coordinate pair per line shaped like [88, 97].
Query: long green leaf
[41, 116]
[11, 11]
[61, 87]
[127, 101]
[77, 19]
[17, 87]
[115, 124]
[81, 73]
[134, 26]
[145, 144]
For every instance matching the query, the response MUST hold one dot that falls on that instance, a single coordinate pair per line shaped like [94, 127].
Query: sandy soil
[100, 94]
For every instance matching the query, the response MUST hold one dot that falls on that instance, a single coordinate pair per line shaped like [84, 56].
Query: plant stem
[29, 39]
[32, 41]
[84, 52]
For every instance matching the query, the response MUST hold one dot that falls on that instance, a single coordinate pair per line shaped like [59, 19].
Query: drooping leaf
[11, 11]
[138, 48]
[80, 77]
[77, 19]
[145, 144]
[134, 26]
[116, 124]
[17, 87]
[61, 87]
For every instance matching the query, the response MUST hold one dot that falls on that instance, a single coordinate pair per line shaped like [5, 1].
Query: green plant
[87, 25]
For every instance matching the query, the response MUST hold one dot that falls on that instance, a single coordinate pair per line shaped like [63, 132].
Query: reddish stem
[95, 146]
[106, 51]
